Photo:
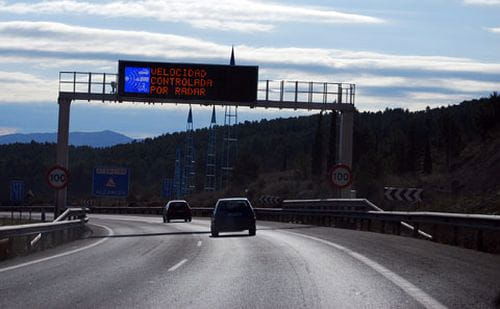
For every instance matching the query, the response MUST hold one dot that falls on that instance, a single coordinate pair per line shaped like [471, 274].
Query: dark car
[177, 209]
[233, 215]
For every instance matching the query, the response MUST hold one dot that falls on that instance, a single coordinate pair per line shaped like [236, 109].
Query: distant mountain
[94, 139]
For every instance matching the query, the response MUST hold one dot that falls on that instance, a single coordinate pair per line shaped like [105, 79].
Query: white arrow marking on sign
[388, 192]
[398, 193]
[408, 194]
[418, 195]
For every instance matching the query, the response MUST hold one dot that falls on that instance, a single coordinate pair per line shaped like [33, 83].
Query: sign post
[62, 151]
[341, 176]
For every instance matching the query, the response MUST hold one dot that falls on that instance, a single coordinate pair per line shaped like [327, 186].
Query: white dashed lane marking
[177, 265]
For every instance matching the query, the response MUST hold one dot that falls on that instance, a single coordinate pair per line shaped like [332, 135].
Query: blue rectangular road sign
[110, 182]
[17, 188]
[168, 188]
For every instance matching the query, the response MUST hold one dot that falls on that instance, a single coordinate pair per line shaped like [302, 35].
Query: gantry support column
[345, 145]
[62, 150]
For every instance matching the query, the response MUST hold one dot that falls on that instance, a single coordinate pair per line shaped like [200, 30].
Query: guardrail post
[382, 227]
[455, 235]
[28, 244]
[479, 240]
[415, 230]
[43, 214]
[435, 228]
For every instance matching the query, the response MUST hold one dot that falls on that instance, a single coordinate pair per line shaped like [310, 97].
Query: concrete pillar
[345, 145]
[62, 150]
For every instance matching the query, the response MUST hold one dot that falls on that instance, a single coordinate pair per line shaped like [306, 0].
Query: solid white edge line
[177, 265]
[199, 243]
[416, 293]
[110, 233]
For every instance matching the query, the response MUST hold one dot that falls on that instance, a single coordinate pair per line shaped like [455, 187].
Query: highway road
[140, 262]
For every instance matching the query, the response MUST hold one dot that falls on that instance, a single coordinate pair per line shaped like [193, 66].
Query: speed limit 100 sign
[341, 176]
[58, 177]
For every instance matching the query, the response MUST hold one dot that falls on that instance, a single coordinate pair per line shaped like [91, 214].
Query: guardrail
[77, 217]
[68, 221]
[355, 204]
[480, 232]
[43, 210]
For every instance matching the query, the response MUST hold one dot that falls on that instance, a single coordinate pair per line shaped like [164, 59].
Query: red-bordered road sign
[58, 177]
[341, 176]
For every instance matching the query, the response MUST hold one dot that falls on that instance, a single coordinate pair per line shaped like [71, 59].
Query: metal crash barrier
[18, 239]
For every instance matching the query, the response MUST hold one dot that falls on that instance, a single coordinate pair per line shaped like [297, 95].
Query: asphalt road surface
[140, 262]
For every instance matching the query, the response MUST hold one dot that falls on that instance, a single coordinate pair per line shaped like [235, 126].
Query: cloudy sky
[407, 53]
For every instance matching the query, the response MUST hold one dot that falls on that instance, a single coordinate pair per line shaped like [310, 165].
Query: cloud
[385, 81]
[48, 46]
[7, 130]
[482, 2]
[243, 15]
[412, 101]
[70, 42]
[26, 88]
[494, 30]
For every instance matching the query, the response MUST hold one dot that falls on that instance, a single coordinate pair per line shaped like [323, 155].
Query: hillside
[440, 150]
[93, 139]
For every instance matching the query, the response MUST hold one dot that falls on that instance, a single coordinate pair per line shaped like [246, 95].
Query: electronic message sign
[187, 81]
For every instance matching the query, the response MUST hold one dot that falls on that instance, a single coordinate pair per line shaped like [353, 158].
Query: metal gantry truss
[211, 166]
[270, 93]
[229, 145]
[178, 172]
[189, 158]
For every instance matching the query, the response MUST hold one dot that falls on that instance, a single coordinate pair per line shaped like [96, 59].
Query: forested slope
[433, 149]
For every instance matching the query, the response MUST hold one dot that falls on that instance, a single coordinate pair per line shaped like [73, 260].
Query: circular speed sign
[58, 177]
[341, 176]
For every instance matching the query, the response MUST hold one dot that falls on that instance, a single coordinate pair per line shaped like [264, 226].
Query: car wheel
[190, 219]
[251, 231]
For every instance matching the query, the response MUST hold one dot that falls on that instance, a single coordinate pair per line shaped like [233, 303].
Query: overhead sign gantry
[205, 84]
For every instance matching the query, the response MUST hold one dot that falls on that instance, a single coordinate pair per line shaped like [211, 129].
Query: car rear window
[177, 206]
[233, 206]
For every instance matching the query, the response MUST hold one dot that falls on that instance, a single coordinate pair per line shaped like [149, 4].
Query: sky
[400, 54]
